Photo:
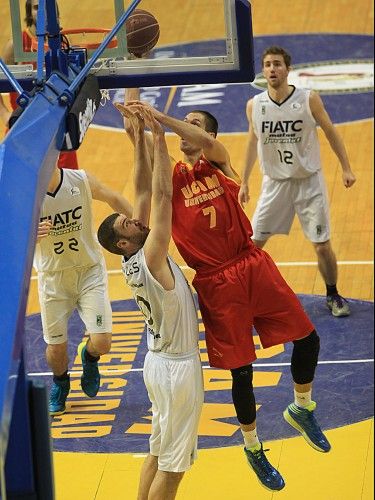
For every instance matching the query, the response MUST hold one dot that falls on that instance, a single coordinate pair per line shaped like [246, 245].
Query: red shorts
[247, 291]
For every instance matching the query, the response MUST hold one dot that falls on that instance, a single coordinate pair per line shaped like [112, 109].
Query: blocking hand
[133, 116]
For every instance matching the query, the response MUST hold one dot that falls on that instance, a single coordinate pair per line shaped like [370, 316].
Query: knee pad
[243, 394]
[305, 358]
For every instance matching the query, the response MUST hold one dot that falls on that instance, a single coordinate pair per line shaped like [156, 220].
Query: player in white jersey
[72, 274]
[172, 369]
[282, 131]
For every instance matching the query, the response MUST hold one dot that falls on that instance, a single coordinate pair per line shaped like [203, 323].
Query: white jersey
[288, 145]
[72, 241]
[170, 315]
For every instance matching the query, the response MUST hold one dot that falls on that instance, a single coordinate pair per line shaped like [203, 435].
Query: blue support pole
[17, 87]
[27, 159]
[20, 480]
[56, 59]
[41, 34]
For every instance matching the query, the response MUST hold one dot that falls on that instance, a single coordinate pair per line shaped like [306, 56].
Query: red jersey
[209, 226]
[67, 159]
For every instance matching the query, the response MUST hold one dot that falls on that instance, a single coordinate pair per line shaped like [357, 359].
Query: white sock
[251, 439]
[302, 399]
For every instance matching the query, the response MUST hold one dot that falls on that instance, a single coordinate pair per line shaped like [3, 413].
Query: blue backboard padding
[28, 155]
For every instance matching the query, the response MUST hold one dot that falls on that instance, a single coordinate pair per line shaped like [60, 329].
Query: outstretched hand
[134, 118]
[151, 122]
[143, 114]
[147, 106]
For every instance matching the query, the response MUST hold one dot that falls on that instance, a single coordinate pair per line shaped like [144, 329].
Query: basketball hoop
[78, 31]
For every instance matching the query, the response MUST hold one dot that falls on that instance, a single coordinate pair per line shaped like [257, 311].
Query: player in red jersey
[67, 159]
[238, 284]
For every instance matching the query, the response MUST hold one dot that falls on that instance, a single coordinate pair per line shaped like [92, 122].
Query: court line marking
[279, 264]
[206, 367]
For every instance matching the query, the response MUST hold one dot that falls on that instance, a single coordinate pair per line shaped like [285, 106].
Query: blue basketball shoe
[90, 379]
[268, 476]
[304, 421]
[57, 397]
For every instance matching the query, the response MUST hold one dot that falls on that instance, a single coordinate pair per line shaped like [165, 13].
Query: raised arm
[142, 178]
[133, 94]
[322, 118]
[212, 149]
[157, 243]
[115, 200]
[250, 157]
[130, 95]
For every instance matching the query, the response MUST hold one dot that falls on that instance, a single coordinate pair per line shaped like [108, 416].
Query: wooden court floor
[346, 473]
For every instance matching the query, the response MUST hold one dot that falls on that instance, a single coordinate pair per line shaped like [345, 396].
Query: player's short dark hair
[211, 124]
[107, 235]
[29, 15]
[275, 50]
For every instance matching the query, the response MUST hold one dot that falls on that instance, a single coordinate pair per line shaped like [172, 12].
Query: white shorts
[61, 292]
[280, 200]
[175, 388]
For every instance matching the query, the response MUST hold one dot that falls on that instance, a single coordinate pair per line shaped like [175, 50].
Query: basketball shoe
[90, 379]
[338, 305]
[304, 421]
[268, 476]
[59, 392]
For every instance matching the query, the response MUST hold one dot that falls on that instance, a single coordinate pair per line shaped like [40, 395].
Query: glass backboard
[228, 22]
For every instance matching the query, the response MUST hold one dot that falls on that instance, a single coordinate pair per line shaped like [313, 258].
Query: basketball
[142, 32]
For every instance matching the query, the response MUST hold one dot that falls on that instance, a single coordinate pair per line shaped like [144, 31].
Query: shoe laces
[312, 422]
[56, 391]
[338, 300]
[262, 460]
[90, 367]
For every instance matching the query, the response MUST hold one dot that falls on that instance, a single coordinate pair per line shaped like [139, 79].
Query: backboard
[229, 60]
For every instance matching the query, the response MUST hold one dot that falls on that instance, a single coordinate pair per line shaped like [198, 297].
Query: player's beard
[140, 238]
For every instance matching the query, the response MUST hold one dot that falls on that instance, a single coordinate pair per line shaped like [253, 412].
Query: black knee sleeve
[305, 358]
[243, 394]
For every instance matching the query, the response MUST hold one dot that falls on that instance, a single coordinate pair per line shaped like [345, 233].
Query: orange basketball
[142, 32]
